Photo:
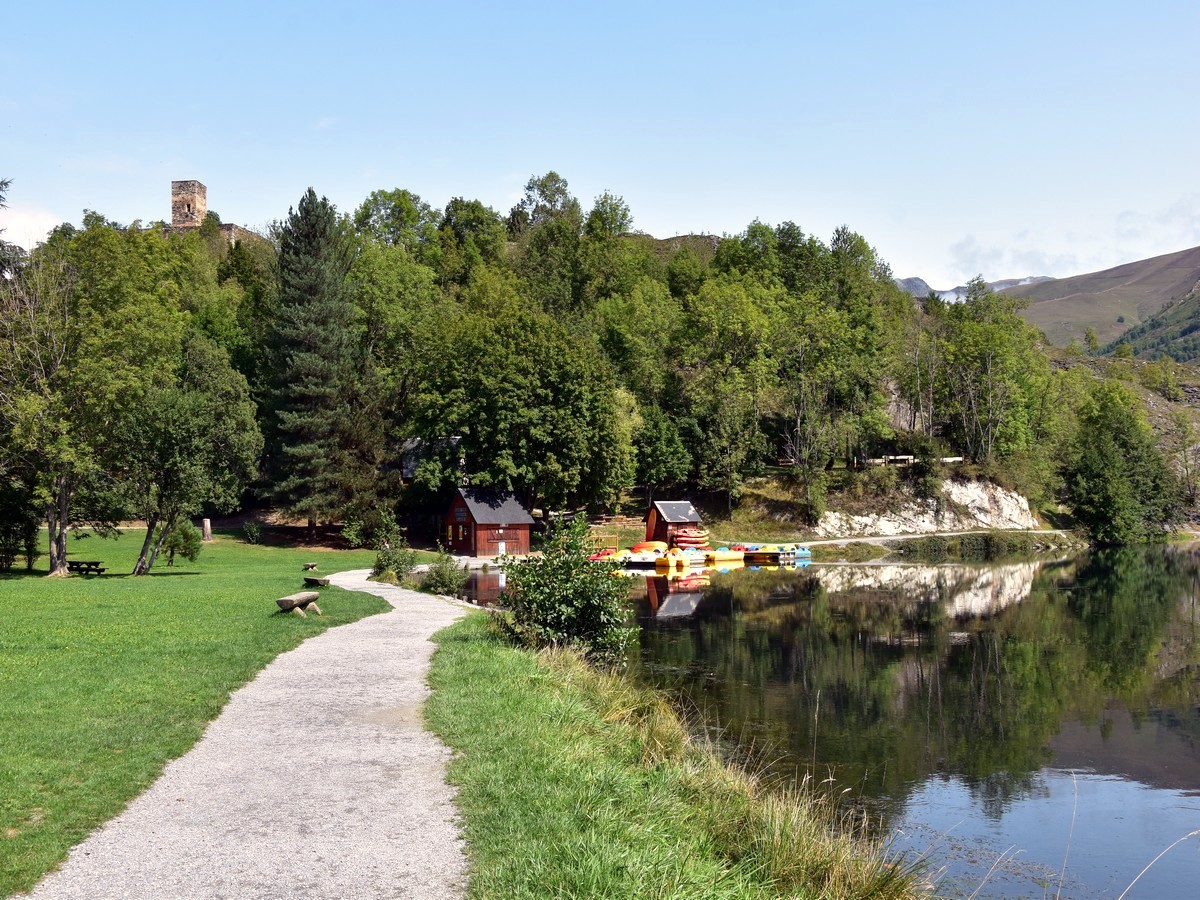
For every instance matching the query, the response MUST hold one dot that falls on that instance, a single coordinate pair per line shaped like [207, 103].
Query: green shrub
[184, 540]
[252, 532]
[564, 599]
[444, 575]
[974, 547]
[20, 525]
[1014, 544]
[1160, 378]
[394, 556]
[983, 547]
[934, 548]
[881, 481]
[852, 484]
[925, 473]
[371, 527]
[816, 493]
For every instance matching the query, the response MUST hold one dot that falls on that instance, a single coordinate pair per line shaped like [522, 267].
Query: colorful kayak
[673, 559]
[691, 537]
[650, 547]
[724, 555]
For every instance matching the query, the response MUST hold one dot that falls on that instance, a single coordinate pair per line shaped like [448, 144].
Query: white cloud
[1174, 227]
[27, 225]
[970, 256]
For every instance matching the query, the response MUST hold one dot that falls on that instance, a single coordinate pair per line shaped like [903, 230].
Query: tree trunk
[56, 520]
[312, 530]
[143, 562]
[207, 535]
[168, 526]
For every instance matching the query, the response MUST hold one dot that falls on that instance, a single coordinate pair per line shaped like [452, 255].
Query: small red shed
[484, 522]
[665, 517]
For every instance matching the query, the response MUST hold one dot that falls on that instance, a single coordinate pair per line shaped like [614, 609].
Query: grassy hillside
[1111, 301]
[1175, 331]
[703, 245]
[1146, 379]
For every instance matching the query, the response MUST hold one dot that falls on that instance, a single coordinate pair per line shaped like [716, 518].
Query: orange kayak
[650, 547]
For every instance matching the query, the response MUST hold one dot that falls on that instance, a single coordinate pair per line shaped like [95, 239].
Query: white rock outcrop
[963, 591]
[965, 506]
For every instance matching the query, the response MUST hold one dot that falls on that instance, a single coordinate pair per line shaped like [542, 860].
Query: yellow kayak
[712, 557]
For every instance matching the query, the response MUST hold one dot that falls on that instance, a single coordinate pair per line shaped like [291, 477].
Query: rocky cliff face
[964, 506]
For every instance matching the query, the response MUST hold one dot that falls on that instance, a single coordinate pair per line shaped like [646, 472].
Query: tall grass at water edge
[574, 782]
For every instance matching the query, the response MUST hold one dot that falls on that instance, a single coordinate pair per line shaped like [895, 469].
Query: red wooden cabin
[665, 517]
[484, 522]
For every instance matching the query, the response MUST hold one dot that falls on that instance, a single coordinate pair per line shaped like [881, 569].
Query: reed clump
[795, 838]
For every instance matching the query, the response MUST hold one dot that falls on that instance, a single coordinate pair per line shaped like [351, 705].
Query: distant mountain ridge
[1111, 301]
[919, 287]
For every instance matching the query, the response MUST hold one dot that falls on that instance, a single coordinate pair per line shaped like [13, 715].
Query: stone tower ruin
[189, 204]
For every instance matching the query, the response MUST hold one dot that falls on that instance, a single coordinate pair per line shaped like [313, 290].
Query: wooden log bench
[297, 603]
[85, 567]
[315, 580]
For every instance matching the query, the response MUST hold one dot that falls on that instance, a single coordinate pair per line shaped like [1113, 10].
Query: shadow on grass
[1056, 519]
[293, 537]
[107, 576]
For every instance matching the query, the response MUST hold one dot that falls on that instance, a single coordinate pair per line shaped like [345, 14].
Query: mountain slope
[1174, 331]
[917, 287]
[1111, 301]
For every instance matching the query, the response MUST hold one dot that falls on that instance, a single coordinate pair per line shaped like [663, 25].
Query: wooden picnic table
[85, 567]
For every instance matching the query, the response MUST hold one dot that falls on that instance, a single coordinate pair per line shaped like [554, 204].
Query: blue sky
[959, 138]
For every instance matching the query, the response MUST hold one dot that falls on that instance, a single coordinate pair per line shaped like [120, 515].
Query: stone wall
[231, 233]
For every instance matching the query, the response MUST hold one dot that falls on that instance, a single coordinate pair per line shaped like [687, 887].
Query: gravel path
[316, 781]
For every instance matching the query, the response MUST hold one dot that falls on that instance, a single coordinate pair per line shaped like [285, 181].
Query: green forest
[353, 361]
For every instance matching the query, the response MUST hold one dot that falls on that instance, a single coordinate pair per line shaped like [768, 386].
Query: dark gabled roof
[677, 512]
[490, 507]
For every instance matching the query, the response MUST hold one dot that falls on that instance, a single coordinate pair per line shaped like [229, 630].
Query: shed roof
[676, 511]
[491, 507]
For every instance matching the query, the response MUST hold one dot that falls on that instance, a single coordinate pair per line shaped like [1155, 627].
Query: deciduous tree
[1119, 485]
[190, 444]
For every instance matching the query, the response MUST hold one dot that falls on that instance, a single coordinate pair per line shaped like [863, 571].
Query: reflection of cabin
[673, 597]
[488, 587]
[483, 522]
[665, 517]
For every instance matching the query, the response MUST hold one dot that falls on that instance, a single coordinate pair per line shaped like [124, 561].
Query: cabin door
[500, 549]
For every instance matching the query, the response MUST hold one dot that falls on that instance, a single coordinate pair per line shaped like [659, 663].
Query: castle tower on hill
[189, 204]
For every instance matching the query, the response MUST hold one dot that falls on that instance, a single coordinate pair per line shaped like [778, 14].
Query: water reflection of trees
[883, 687]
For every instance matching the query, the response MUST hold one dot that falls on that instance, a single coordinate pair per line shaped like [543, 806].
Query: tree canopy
[345, 364]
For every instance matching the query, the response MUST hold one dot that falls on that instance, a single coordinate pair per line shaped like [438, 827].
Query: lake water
[1003, 720]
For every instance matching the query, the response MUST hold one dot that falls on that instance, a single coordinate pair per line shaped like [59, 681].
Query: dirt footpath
[316, 781]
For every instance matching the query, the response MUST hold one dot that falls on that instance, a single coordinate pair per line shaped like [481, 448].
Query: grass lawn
[105, 679]
[574, 783]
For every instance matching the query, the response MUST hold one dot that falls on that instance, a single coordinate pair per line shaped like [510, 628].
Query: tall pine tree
[316, 344]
